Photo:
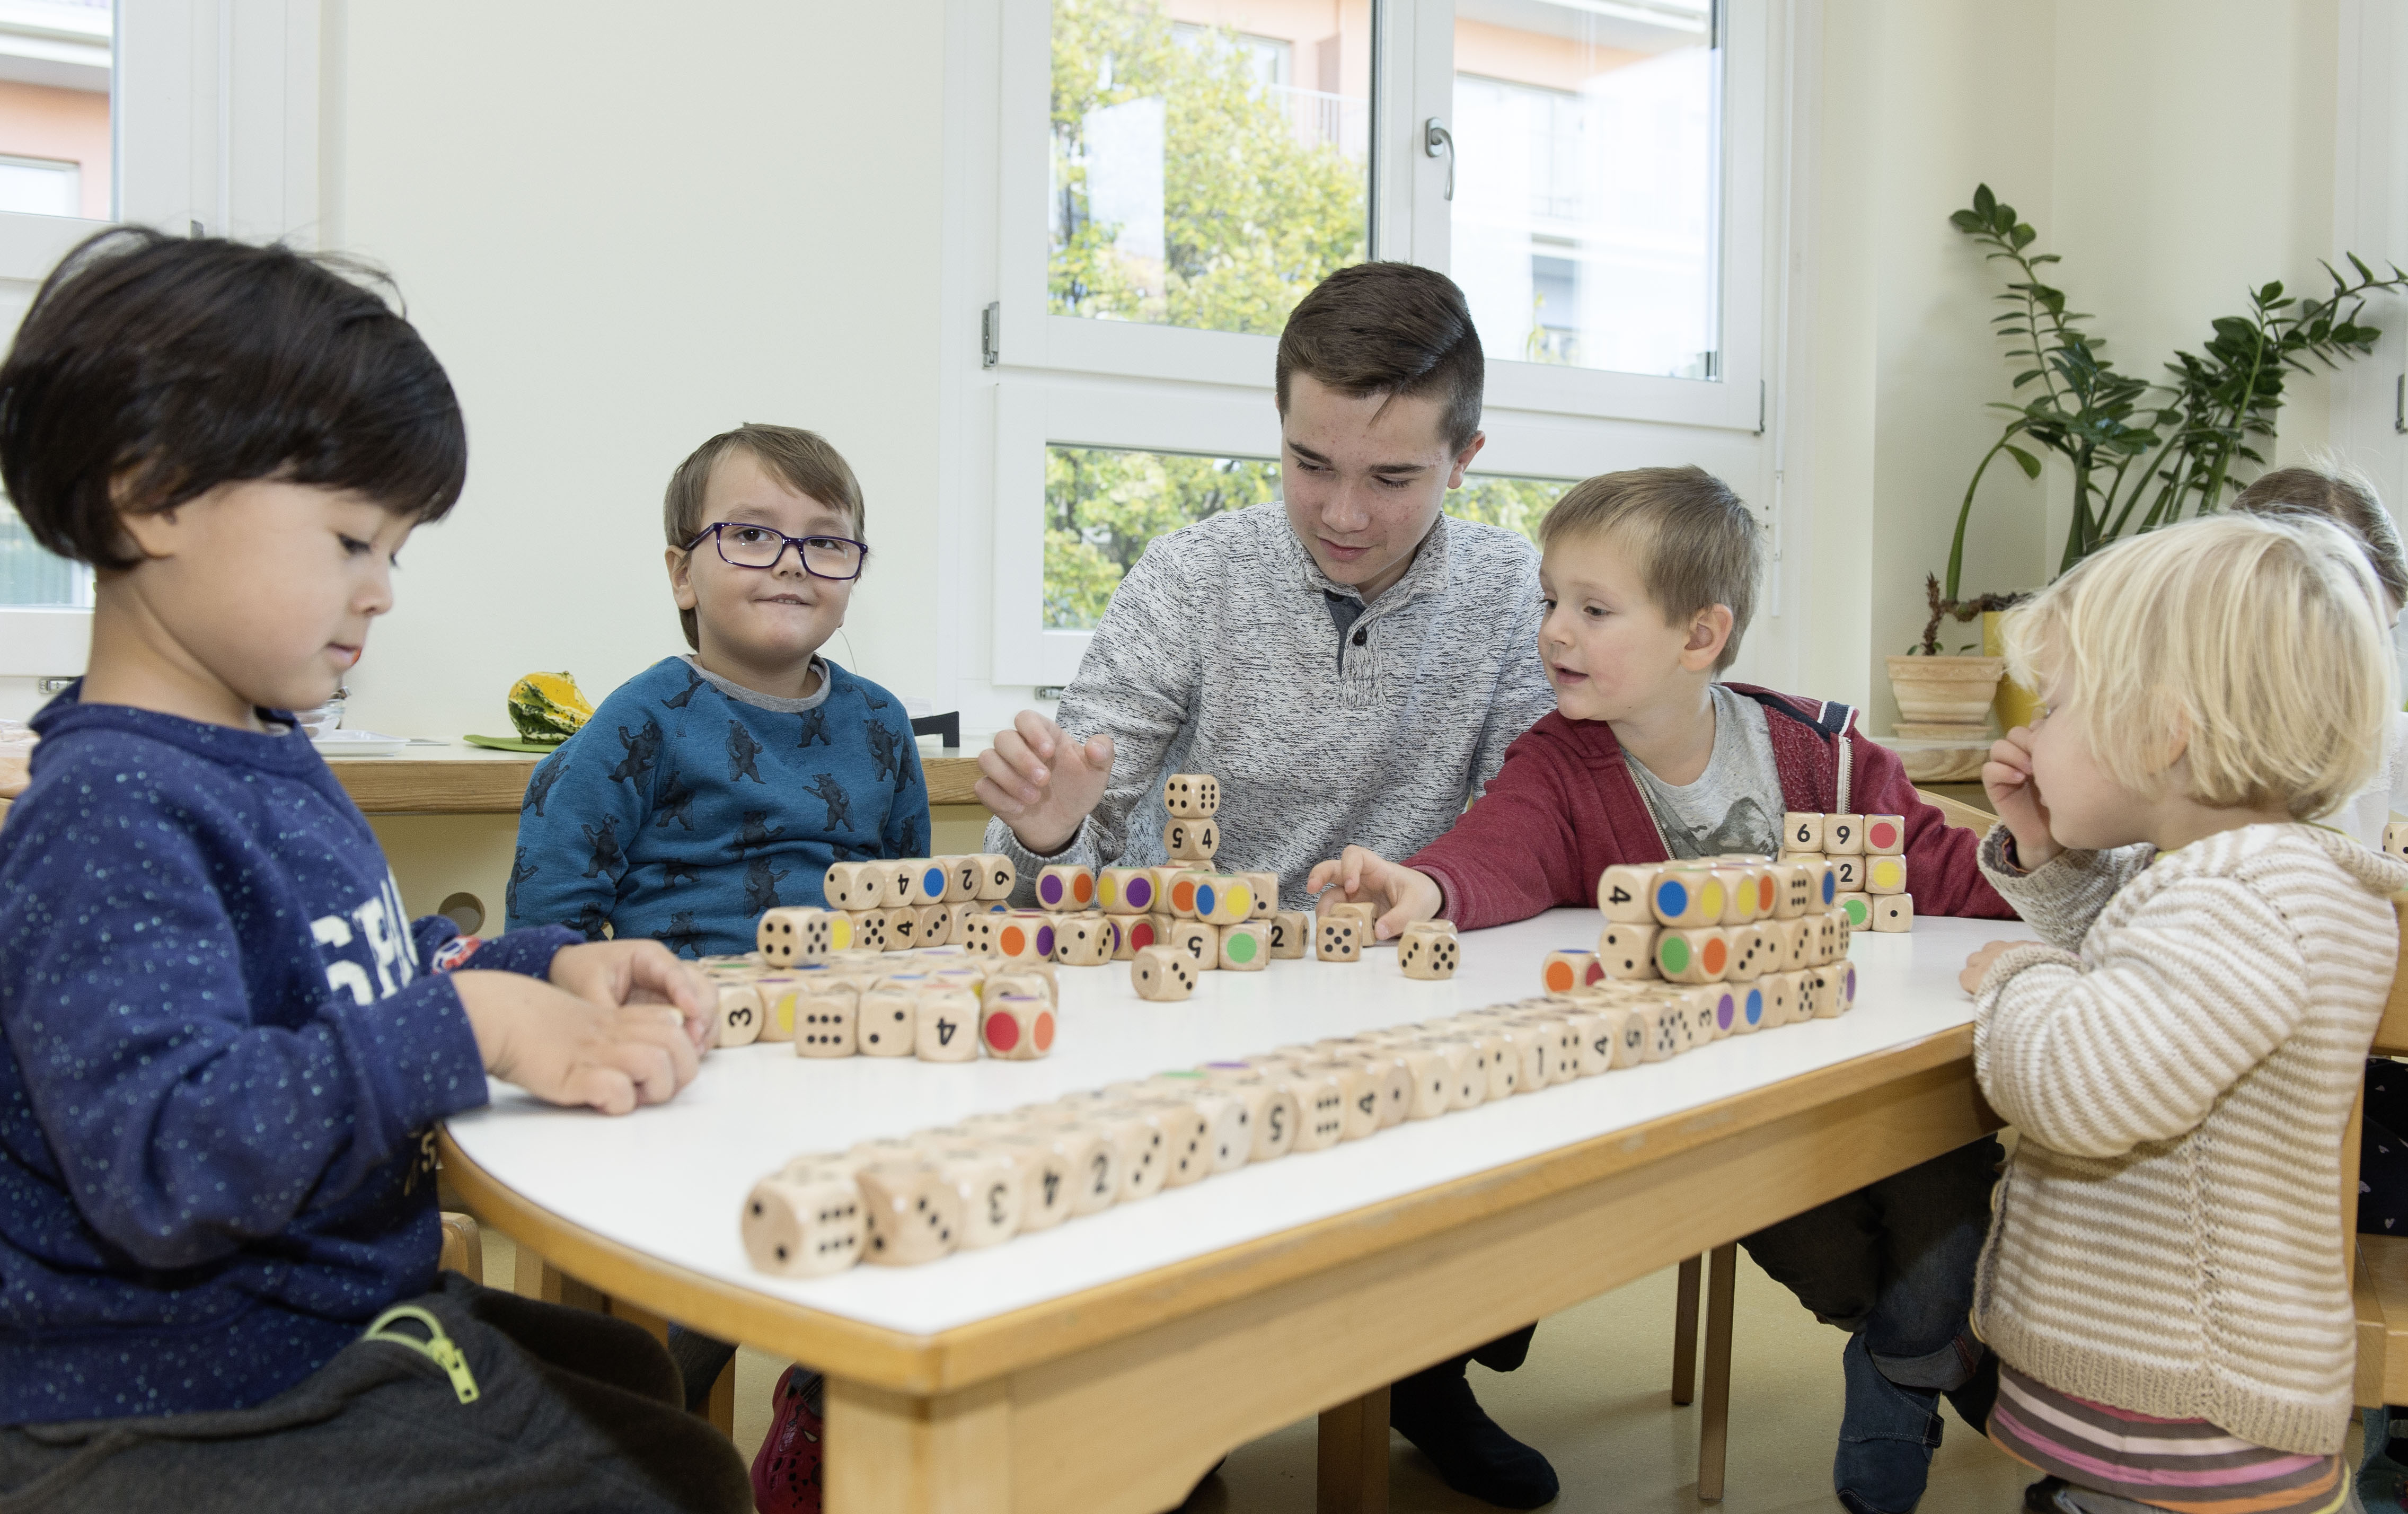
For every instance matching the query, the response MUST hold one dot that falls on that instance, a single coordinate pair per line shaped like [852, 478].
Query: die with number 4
[1190, 841]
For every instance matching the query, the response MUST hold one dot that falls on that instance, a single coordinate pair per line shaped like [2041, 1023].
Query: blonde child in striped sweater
[2163, 1281]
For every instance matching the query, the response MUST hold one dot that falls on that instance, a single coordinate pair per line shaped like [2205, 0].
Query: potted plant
[2142, 455]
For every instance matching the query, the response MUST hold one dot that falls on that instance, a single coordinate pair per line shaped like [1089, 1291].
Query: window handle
[1436, 140]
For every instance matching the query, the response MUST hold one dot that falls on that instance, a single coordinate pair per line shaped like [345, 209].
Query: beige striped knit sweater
[2179, 1064]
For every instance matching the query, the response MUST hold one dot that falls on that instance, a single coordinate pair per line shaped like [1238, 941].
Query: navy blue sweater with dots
[225, 1049]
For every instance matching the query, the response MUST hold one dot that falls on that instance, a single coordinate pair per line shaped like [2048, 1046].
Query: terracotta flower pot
[1946, 691]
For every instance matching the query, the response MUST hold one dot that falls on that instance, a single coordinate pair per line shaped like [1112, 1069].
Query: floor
[1594, 1397]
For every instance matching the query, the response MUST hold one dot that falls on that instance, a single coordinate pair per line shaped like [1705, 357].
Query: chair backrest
[1957, 813]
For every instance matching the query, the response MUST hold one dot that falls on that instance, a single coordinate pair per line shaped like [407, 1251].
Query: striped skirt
[2188, 1466]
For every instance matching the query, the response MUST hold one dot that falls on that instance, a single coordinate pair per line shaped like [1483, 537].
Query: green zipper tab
[439, 1347]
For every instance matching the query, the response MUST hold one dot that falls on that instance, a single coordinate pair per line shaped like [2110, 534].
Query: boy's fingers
[599, 1086]
[1043, 736]
[668, 1038]
[1319, 877]
[1099, 753]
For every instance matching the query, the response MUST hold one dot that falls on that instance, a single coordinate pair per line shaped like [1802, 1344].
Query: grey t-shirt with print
[1736, 803]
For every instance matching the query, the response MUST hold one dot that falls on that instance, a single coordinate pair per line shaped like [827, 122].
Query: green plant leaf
[2026, 461]
[1983, 199]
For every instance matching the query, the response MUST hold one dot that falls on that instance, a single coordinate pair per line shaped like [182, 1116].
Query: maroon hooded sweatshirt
[1565, 807]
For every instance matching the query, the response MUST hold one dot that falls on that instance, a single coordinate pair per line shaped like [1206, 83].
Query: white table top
[670, 1180]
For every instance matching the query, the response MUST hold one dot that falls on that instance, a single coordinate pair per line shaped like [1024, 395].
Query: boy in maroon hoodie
[1649, 579]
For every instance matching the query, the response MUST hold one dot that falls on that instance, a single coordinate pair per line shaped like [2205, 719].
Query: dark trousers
[574, 1412]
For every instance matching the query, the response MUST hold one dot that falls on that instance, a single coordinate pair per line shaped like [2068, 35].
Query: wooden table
[1106, 1365]
[460, 779]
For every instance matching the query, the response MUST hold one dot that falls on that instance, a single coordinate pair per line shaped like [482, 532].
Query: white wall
[624, 228]
[2175, 152]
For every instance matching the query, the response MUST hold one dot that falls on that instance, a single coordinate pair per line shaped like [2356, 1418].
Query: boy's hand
[1977, 966]
[2014, 793]
[609, 974]
[1362, 873]
[566, 1050]
[1042, 783]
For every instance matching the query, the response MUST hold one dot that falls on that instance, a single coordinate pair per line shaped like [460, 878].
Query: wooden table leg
[1353, 1477]
[1684, 1334]
[1713, 1421]
[890, 1454]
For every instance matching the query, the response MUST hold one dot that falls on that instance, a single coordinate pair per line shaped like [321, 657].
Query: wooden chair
[1713, 1419]
[2378, 1264]
[463, 1247]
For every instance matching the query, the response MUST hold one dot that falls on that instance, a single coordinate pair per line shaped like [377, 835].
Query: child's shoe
[786, 1469]
[1888, 1433]
[1436, 1411]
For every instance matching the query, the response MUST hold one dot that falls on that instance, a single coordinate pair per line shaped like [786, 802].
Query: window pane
[1103, 505]
[30, 576]
[1588, 159]
[54, 147]
[1211, 158]
[1517, 504]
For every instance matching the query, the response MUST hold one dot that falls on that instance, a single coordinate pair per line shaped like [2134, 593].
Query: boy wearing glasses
[716, 785]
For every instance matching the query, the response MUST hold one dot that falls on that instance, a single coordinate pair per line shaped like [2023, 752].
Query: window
[56, 59]
[1585, 212]
[1192, 181]
[1172, 176]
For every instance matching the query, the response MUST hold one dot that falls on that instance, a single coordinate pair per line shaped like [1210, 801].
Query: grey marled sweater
[1218, 655]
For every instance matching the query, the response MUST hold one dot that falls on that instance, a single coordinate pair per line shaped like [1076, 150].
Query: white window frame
[1072, 380]
[213, 107]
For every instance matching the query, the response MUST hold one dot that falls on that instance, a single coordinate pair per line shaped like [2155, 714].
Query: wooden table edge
[970, 1354]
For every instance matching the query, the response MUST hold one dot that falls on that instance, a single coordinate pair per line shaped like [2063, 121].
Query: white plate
[338, 744]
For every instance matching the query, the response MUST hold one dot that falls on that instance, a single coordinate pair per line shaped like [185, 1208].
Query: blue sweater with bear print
[689, 804]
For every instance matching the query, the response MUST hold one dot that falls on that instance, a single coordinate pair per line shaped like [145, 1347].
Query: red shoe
[786, 1469]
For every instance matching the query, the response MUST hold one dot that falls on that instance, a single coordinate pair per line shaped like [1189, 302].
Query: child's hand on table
[567, 1050]
[2014, 793]
[1977, 966]
[1362, 874]
[1041, 782]
[609, 974]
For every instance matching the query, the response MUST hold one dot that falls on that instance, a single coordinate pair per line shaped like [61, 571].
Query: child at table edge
[226, 1044]
[2165, 1282]
[712, 787]
[1650, 582]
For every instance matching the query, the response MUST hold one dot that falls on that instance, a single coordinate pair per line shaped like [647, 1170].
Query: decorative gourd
[548, 707]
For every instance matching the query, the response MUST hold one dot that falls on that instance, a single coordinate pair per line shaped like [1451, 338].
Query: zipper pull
[439, 1347]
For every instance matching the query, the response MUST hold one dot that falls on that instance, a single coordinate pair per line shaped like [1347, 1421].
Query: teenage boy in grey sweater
[1348, 661]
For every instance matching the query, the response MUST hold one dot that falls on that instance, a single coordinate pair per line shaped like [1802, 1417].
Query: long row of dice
[995, 1176]
[940, 1004]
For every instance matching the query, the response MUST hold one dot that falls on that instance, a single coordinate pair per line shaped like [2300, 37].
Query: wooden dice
[1200, 944]
[946, 1026]
[1885, 874]
[996, 876]
[1568, 968]
[1885, 835]
[1626, 950]
[888, 1022]
[788, 936]
[1753, 952]
[1429, 950]
[1622, 894]
[1131, 934]
[1291, 932]
[1847, 875]
[1082, 940]
[913, 1214]
[868, 930]
[1245, 947]
[1016, 1027]
[828, 1022]
[1125, 890]
[1893, 913]
[1221, 899]
[1844, 835]
[805, 1224]
[1191, 840]
[739, 1015]
[1264, 887]
[2395, 840]
[1801, 831]
[1194, 796]
[1063, 887]
[1859, 908]
[923, 880]
[854, 886]
[1699, 954]
[1162, 973]
[1686, 898]
[1023, 936]
[1340, 939]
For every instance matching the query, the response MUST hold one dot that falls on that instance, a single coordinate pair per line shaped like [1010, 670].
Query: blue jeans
[1892, 1264]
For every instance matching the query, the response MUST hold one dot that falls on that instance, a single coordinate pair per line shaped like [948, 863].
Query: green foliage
[1516, 504]
[1252, 216]
[2160, 451]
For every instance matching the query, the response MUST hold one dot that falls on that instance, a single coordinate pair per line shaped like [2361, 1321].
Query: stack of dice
[1173, 923]
[1867, 856]
[903, 903]
[995, 1176]
[939, 1003]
